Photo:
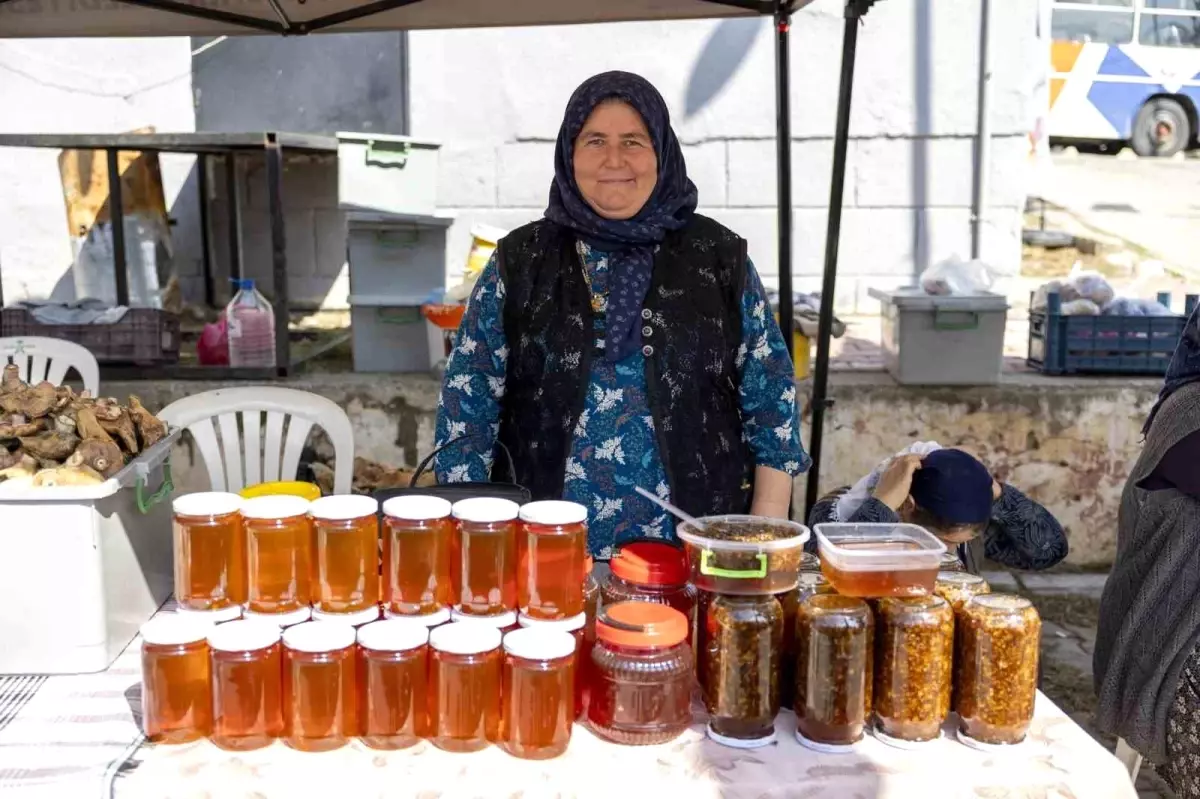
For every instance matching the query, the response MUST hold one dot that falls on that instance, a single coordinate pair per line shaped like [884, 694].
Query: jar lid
[274, 507]
[216, 616]
[393, 635]
[281, 620]
[962, 578]
[354, 618]
[465, 639]
[438, 617]
[243, 636]
[498, 620]
[539, 644]
[486, 510]
[319, 636]
[650, 563]
[1000, 603]
[567, 625]
[641, 625]
[343, 508]
[207, 503]
[554, 513]
[172, 629]
[417, 508]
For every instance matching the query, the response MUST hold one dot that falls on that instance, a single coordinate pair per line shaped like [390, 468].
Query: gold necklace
[598, 303]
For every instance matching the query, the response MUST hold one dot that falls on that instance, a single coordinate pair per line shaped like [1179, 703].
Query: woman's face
[615, 164]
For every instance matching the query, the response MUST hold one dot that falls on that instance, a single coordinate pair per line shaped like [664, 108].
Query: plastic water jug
[251, 323]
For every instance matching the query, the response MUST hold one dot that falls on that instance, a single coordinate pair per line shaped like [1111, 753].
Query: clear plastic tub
[997, 668]
[551, 547]
[176, 701]
[279, 542]
[878, 560]
[418, 554]
[393, 684]
[537, 691]
[210, 551]
[747, 555]
[487, 541]
[464, 686]
[741, 662]
[347, 553]
[320, 691]
[247, 685]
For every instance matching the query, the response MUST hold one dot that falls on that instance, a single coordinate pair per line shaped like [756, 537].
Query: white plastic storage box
[83, 567]
[942, 341]
[396, 174]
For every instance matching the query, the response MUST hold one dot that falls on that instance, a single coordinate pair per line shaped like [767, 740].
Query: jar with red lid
[537, 693]
[464, 686]
[176, 699]
[210, 551]
[247, 685]
[551, 548]
[650, 571]
[393, 681]
[487, 559]
[418, 555]
[320, 691]
[279, 544]
[347, 554]
[642, 674]
[576, 626]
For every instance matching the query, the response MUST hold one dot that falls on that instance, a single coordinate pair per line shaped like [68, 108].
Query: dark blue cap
[954, 487]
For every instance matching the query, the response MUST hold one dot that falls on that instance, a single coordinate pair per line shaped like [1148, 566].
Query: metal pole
[116, 217]
[841, 138]
[206, 244]
[278, 254]
[235, 216]
[983, 135]
[783, 179]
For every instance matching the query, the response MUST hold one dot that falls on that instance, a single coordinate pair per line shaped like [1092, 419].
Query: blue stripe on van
[1117, 63]
[1119, 102]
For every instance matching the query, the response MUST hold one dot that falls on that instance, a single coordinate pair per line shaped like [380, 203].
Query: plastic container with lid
[281, 620]
[914, 652]
[997, 665]
[320, 693]
[505, 621]
[742, 662]
[576, 626]
[279, 553]
[418, 554]
[551, 548]
[356, 619]
[642, 673]
[747, 555]
[487, 545]
[959, 588]
[347, 553]
[878, 560]
[429, 620]
[247, 685]
[537, 693]
[464, 686]
[650, 571]
[210, 551]
[176, 701]
[393, 683]
[835, 645]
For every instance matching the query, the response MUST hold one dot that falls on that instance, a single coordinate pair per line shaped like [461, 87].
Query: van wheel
[1160, 129]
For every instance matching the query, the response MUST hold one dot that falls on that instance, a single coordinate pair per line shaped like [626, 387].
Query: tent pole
[855, 9]
[783, 167]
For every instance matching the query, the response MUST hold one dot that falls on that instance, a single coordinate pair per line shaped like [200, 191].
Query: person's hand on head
[895, 483]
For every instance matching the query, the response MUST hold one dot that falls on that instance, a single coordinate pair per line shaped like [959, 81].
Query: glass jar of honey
[393, 683]
[487, 540]
[464, 686]
[650, 571]
[537, 693]
[247, 685]
[914, 651]
[210, 551]
[427, 620]
[320, 693]
[997, 665]
[576, 626]
[279, 553]
[219, 616]
[347, 555]
[418, 555]
[835, 647]
[551, 548]
[176, 701]
[355, 619]
[280, 620]
[505, 621]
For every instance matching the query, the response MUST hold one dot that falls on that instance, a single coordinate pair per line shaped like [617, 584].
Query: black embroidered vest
[691, 334]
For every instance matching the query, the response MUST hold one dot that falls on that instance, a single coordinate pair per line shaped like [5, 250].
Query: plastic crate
[144, 336]
[1120, 345]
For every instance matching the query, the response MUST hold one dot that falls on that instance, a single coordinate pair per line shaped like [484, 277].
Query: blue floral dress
[614, 448]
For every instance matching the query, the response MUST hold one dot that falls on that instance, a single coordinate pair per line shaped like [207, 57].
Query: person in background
[623, 340]
[955, 497]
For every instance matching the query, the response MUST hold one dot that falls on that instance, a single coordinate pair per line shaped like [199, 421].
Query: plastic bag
[1090, 286]
[956, 276]
[213, 346]
[849, 503]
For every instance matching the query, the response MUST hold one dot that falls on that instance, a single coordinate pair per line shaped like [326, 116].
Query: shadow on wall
[727, 47]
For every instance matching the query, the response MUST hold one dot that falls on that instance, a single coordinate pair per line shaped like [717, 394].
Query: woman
[955, 497]
[1147, 659]
[624, 340]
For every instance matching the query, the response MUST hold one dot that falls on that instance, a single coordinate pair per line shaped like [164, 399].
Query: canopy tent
[83, 18]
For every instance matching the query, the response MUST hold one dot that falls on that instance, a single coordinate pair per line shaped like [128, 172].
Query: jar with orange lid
[393, 669]
[279, 553]
[210, 551]
[464, 686]
[835, 647]
[505, 621]
[537, 693]
[551, 548]
[650, 571]
[418, 554]
[642, 673]
[247, 685]
[320, 691]
[576, 626]
[347, 554]
[176, 701]
[487, 546]
[428, 620]
[996, 669]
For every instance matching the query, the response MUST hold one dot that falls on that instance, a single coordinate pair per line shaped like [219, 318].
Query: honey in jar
[418, 555]
[247, 684]
[591, 596]
[320, 694]
[281, 620]
[279, 538]
[356, 619]
[393, 680]
[537, 692]
[464, 686]
[914, 652]
[217, 616]
[552, 546]
[427, 620]
[577, 628]
[210, 551]
[997, 665]
[487, 544]
[835, 646]
[347, 553]
[505, 621]
[176, 702]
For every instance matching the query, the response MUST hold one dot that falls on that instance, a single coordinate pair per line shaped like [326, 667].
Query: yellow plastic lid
[292, 488]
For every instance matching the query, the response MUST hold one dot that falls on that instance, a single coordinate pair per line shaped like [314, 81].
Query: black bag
[453, 492]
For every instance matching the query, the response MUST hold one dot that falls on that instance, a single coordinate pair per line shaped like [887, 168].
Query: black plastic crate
[144, 336]
[1118, 345]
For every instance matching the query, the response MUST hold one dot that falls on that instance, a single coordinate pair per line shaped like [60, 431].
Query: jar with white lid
[210, 551]
[418, 555]
[487, 562]
[176, 701]
[537, 692]
[347, 553]
[577, 627]
[464, 686]
[247, 684]
[320, 693]
[394, 683]
[551, 548]
[279, 544]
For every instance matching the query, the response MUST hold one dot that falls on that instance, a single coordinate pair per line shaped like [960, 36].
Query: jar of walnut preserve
[997, 665]
[834, 643]
[914, 650]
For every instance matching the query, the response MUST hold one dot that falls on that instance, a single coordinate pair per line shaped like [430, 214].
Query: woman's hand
[895, 483]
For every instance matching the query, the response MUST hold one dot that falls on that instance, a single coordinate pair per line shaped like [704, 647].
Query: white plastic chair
[262, 459]
[1129, 758]
[41, 358]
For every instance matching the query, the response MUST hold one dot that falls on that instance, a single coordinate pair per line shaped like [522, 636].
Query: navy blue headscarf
[954, 487]
[1184, 367]
[629, 242]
